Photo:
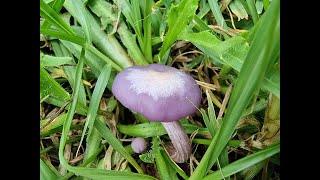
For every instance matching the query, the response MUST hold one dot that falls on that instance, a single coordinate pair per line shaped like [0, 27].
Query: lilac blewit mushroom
[139, 145]
[164, 94]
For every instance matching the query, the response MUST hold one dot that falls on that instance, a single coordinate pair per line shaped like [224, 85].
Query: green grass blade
[57, 5]
[57, 122]
[65, 36]
[46, 172]
[223, 160]
[272, 83]
[94, 62]
[173, 165]
[68, 121]
[147, 48]
[49, 86]
[50, 15]
[48, 60]
[238, 9]
[95, 100]
[253, 10]
[178, 17]
[207, 122]
[155, 129]
[245, 162]
[116, 144]
[249, 79]
[215, 8]
[162, 167]
[83, 19]
[69, 71]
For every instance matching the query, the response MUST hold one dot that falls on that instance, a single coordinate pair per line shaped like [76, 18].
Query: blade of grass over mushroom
[249, 79]
[178, 17]
[95, 100]
[245, 162]
[103, 9]
[116, 144]
[155, 129]
[107, 44]
[50, 15]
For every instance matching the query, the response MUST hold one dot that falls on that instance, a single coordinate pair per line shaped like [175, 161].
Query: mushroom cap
[158, 92]
[139, 145]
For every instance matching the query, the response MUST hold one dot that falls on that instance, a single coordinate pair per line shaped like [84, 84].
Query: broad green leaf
[249, 80]
[178, 17]
[49, 86]
[237, 8]
[244, 163]
[233, 51]
[50, 15]
[204, 38]
[147, 157]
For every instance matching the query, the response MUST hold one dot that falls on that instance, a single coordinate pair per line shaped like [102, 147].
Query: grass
[232, 49]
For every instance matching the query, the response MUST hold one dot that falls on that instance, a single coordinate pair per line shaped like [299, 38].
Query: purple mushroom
[139, 145]
[161, 93]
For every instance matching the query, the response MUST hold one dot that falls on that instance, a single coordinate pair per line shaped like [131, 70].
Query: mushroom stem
[181, 150]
